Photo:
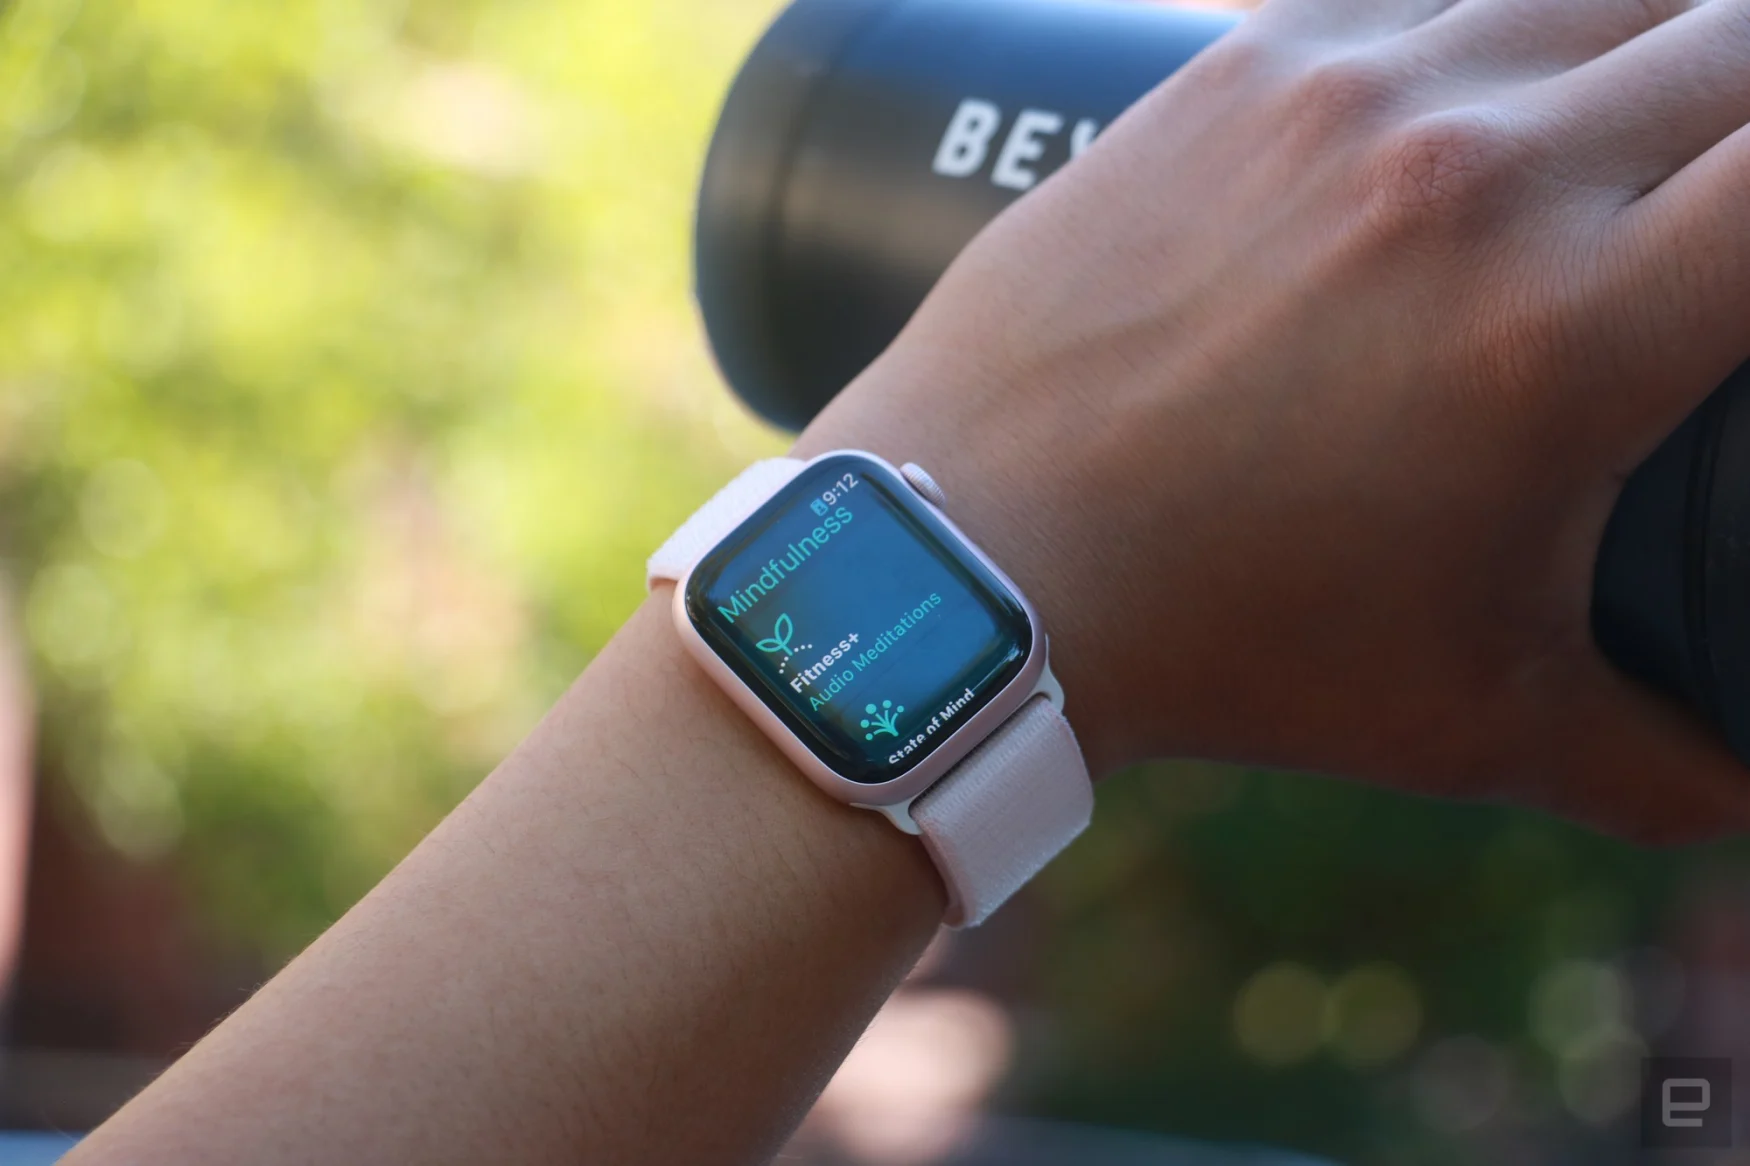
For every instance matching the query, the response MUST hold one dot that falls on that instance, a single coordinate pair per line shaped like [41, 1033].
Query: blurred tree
[346, 374]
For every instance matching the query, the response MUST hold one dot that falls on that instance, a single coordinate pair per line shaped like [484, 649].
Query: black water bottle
[866, 142]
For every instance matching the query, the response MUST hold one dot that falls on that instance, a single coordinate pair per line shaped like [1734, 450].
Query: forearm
[641, 938]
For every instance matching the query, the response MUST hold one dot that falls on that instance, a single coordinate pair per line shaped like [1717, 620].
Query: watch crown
[919, 479]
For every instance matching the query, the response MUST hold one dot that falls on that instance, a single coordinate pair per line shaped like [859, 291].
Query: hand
[1299, 403]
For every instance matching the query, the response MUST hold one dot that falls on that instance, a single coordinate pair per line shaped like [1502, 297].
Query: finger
[1679, 259]
[1649, 107]
[1517, 38]
[1633, 764]
[1350, 19]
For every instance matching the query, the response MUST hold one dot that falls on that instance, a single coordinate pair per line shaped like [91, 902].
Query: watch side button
[919, 479]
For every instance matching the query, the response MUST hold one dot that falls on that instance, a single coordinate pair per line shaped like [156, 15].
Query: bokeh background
[347, 373]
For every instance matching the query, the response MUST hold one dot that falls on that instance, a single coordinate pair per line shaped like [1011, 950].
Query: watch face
[859, 618]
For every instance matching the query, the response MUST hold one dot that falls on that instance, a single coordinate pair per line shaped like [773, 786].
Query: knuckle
[1347, 91]
[1445, 175]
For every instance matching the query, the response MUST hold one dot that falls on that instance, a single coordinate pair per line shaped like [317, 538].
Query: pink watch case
[892, 798]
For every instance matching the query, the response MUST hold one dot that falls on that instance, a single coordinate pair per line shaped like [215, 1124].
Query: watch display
[859, 618]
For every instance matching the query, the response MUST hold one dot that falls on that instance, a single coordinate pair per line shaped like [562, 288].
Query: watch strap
[1005, 811]
[726, 510]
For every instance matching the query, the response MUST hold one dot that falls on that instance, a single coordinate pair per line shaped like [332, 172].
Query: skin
[1297, 406]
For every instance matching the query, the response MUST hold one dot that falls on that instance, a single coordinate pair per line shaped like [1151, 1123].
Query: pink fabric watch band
[1007, 810]
[1000, 815]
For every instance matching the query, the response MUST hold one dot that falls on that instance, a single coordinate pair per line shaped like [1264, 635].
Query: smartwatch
[889, 659]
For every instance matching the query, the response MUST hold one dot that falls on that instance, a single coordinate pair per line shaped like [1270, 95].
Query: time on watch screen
[846, 604]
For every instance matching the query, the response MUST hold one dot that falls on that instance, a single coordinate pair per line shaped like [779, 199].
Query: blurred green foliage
[1383, 940]
[347, 372]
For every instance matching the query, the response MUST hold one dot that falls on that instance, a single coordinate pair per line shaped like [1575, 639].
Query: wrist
[821, 844]
[1019, 498]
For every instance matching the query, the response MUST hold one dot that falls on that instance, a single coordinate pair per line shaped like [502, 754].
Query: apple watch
[889, 659]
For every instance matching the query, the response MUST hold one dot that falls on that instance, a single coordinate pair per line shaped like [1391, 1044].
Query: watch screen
[859, 618]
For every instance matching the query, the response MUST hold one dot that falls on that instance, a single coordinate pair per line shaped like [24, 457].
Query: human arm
[1296, 406]
[642, 939]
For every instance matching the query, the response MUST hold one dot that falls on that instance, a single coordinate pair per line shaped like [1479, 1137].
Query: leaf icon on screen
[782, 632]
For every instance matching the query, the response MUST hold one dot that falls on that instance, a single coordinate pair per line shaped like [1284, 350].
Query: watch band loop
[1005, 811]
[726, 510]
